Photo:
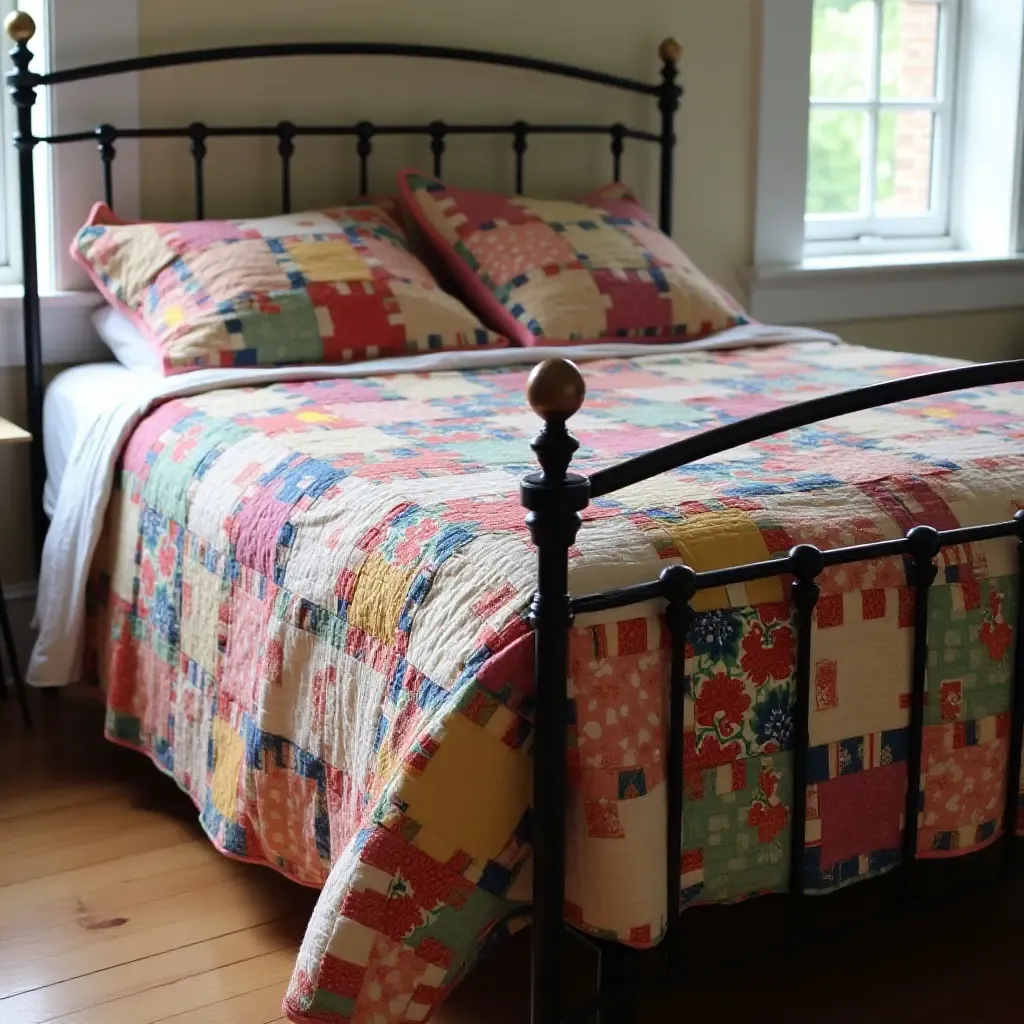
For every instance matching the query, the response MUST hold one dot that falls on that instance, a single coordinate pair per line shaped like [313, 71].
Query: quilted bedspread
[308, 608]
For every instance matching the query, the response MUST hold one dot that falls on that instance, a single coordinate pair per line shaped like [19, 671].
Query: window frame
[832, 234]
[10, 228]
[979, 266]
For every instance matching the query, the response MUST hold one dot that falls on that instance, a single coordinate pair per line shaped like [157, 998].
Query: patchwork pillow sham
[328, 286]
[552, 272]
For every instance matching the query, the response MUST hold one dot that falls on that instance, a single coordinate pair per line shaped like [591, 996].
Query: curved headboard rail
[343, 49]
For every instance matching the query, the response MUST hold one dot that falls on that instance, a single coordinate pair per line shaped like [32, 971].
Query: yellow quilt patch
[717, 540]
[228, 748]
[333, 260]
[381, 592]
[475, 765]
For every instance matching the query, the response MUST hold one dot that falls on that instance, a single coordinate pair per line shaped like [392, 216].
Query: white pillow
[125, 340]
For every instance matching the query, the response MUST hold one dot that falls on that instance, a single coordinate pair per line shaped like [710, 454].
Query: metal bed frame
[555, 497]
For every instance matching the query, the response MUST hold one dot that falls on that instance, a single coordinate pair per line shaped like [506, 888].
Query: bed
[757, 631]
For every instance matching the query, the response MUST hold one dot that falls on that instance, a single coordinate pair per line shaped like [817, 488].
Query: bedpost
[554, 498]
[21, 83]
[669, 95]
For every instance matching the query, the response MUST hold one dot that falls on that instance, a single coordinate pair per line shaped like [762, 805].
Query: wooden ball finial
[555, 389]
[19, 26]
[670, 51]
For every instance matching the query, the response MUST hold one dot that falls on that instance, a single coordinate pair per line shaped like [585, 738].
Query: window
[881, 123]
[890, 159]
[10, 248]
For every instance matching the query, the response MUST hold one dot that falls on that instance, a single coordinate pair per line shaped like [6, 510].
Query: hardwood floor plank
[134, 980]
[41, 910]
[45, 797]
[45, 830]
[183, 998]
[261, 1006]
[166, 925]
[134, 872]
[157, 834]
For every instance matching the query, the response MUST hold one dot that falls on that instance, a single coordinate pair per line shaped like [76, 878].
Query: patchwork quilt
[308, 608]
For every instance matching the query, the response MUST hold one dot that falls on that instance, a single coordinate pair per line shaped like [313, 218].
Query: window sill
[67, 331]
[11, 296]
[836, 289]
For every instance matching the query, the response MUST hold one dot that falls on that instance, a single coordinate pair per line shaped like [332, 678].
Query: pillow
[546, 272]
[326, 286]
[130, 347]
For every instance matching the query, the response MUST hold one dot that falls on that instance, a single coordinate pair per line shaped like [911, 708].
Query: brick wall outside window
[917, 69]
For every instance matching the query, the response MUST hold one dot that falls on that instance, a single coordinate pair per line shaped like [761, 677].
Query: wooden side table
[11, 434]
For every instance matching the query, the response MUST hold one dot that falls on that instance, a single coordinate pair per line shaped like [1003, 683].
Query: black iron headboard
[24, 85]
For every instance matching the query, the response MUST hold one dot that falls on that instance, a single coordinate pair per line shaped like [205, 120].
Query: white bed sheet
[73, 400]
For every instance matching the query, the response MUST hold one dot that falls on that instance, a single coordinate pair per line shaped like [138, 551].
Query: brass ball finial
[19, 26]
[555, 389]
[670, 50]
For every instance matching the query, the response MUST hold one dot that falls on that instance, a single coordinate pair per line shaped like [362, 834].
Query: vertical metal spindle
[519, 144]
[1011, 811]
[197, 132]
[618, 137]
[106, 136]
[437, 130]
[364, 147]
[286, 150]
[554, 498]
[669, 95]
[680, 583]
[924, 546]
[806, 563]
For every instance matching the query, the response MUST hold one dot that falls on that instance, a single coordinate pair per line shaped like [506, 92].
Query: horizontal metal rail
[800, 414]
[786, 565]
[359, 129]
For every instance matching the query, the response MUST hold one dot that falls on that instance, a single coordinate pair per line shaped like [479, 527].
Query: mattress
[71, 404]
[309, 602]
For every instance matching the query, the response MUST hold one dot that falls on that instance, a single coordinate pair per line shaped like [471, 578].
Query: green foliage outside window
[841, 66]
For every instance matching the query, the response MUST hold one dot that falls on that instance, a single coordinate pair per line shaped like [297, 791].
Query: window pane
[842, 52]
[835, 156]
[910, 49]
[905, 153]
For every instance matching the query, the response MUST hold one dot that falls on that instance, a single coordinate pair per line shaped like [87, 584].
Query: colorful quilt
[308, 608]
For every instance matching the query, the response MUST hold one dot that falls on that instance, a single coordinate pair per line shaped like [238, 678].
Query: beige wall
[714, 197]
[717, 123]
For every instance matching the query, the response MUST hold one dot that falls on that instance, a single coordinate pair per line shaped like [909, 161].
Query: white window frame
[832, 233]
[10, 241]
[976, 266]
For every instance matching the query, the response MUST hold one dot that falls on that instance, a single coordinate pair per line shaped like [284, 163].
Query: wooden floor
[114, 909]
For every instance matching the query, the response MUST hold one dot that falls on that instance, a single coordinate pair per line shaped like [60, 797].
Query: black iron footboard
[555, 498]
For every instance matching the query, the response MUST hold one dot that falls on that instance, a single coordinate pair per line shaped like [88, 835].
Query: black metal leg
[925, 545]
[1013, 763]
[618, 985]
[554, 498]
[807, 563]
[680, 583]
[12, 656]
